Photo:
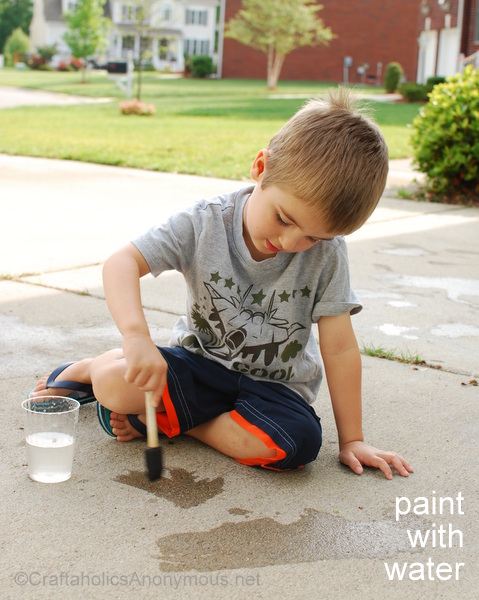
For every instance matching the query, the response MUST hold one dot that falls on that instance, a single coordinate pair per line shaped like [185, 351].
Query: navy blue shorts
[198, 390]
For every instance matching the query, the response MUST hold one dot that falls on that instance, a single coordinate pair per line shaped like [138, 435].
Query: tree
[144, 17]
[88, 30]
[277, 27]
[13, 14]
[17, 45]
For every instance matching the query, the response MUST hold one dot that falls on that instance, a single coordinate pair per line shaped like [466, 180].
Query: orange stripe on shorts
[168, 421]
[264, 437]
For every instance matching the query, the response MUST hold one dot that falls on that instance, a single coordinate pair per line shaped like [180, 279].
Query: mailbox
[117, 67]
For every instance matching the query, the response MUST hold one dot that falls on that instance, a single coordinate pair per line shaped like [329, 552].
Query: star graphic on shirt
[258, 298]
[284, 297]
[305, 292]
[215, 276]
[229, 283]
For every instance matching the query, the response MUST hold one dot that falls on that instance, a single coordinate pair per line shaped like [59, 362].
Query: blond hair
[334, 158]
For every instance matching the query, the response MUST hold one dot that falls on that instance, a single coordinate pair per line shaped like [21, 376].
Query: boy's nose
[289, 241]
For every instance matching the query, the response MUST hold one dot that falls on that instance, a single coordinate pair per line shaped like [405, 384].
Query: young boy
[261, 266]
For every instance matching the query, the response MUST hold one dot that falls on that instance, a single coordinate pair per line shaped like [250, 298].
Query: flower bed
[135, 107]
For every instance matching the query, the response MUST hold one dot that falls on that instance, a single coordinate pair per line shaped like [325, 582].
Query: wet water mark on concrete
[455, 330]
[397, 330]
[242, 512]
[456, 289]
[266, 542]
[408, 251]
[181, 487]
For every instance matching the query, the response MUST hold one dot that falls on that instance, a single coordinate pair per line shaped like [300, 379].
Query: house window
[128, 42]
[196, 17]
[167, 13]
[163, 49]
[145, 43]
[128, 13]
[476, 24]
[196, 47]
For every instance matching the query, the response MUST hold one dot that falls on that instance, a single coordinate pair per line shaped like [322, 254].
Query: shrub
[146, 66]
[414, 92]
[188, 66]
[47, 52]
[76, 64]
[37, 62]
[434, 80]
[16, 46]
[393, 76]
[445, 139]
[202, 65]
[64, 66]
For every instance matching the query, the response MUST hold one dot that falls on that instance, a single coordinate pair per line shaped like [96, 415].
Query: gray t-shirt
[253, 317]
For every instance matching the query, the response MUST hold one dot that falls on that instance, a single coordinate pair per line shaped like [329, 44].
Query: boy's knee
[296, 447]
[308, 439]
[109, 385]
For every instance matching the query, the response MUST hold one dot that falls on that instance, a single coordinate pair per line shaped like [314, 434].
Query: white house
[174, 28]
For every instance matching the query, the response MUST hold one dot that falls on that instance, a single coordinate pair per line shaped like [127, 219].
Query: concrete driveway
[212, 528]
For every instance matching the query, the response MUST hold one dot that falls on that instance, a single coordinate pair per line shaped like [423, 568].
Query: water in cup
[50, 424]
[50, 456]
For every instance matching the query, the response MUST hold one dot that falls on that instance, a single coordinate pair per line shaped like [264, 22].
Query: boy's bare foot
[123, 429]
[77, 371]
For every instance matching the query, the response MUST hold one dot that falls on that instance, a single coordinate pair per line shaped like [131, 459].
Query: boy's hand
[145, 366]
[357, 454]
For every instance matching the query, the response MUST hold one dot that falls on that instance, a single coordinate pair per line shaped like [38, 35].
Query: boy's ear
[259, 164]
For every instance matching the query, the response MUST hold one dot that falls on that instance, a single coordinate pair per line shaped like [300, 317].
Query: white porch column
[38, 26]
[180, 61]
[118, 45]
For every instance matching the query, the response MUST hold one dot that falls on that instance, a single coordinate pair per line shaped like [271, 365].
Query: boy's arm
[342, 363]
[146, 368]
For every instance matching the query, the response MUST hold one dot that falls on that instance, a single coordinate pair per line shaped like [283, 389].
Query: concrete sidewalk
[213, 528]
[12, 97]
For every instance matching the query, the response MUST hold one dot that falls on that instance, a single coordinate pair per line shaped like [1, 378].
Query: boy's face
[276, 221]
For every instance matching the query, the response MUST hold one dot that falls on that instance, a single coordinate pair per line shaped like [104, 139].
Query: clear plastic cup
[50, 426]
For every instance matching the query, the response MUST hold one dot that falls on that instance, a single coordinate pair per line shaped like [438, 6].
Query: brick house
[448, 31]
[425, 36]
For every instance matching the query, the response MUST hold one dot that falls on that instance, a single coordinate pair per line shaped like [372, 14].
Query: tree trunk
[140, 73]
[270, 67]
[275, 64]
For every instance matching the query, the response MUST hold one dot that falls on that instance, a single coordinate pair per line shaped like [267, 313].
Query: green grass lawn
[203, 127]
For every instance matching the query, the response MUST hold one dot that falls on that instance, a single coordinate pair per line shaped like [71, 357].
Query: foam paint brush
[153, 452]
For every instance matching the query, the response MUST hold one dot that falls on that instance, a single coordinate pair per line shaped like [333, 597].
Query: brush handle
[151, 424]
